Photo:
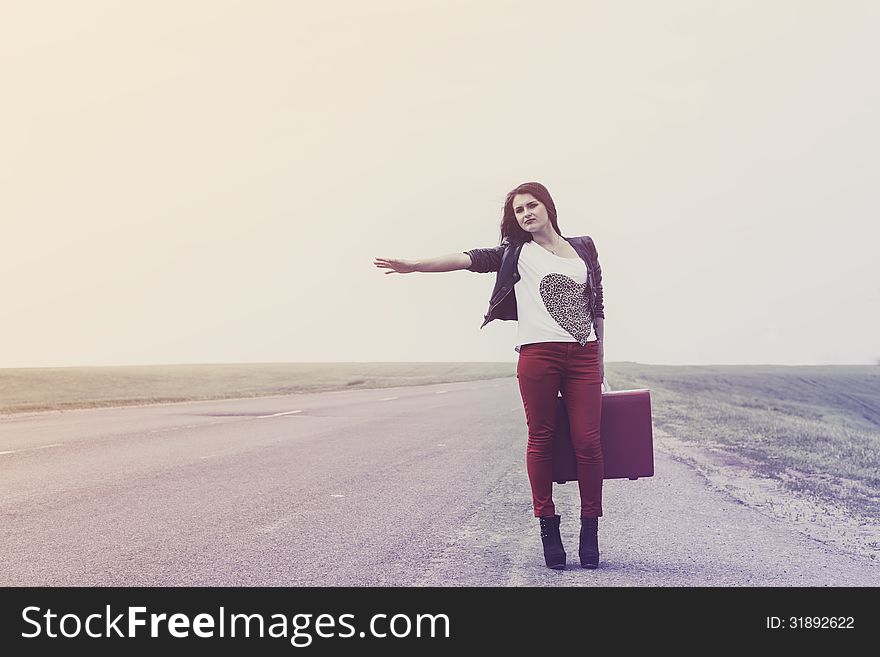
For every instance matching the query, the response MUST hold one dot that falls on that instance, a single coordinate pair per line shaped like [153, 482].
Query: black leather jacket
[504, 258]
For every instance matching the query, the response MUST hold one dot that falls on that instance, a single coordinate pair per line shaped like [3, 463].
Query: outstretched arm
[451, 262]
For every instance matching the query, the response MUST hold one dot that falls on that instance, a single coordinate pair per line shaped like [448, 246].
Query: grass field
[41, 389]
[817, 429]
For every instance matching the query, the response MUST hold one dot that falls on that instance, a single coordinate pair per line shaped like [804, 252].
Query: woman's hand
[397, 266]
[602, 360]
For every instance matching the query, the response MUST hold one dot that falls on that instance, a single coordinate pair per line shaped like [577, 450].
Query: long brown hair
[510, 228]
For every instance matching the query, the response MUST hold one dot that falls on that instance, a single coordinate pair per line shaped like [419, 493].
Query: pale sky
[207, 182]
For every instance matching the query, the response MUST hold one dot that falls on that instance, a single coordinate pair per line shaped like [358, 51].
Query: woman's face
[530, 213]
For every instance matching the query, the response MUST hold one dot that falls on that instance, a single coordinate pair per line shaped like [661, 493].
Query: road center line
[30, 449]
[279, 414]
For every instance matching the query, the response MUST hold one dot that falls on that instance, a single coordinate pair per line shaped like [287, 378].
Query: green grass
[816, 429]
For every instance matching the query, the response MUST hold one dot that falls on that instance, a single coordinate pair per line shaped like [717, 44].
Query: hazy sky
[192, 182]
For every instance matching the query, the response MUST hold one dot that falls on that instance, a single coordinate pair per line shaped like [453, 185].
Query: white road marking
[29, 449]
[388, 398]
[337, 496]
[441, 444]
[441, 392]
[279, 414]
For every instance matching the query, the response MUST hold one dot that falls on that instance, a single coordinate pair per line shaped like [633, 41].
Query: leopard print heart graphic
[567, 303]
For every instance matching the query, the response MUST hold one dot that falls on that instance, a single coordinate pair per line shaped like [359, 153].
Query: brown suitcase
[626, 432]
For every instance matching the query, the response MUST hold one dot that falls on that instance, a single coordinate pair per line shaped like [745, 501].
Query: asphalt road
[410, 486]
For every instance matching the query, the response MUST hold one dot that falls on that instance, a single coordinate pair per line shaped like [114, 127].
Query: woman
[553, 286]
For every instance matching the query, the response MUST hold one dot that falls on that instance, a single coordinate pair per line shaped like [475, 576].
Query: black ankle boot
[589, 545]
[554, 553]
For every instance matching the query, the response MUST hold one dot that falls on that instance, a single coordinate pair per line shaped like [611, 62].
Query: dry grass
[40, 389]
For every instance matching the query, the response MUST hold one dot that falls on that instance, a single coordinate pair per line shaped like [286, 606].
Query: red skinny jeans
[544, 369]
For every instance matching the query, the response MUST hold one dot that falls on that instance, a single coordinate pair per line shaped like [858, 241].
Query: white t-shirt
[550, 302]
